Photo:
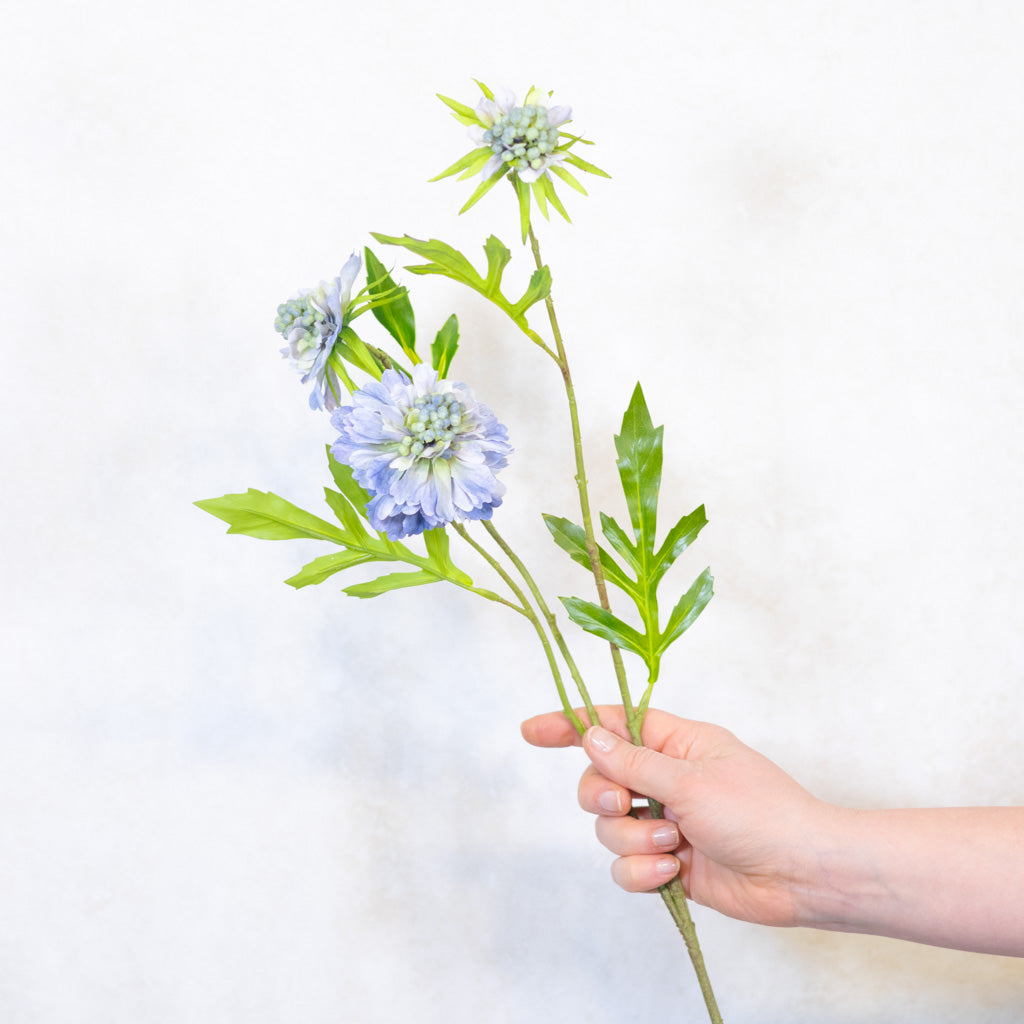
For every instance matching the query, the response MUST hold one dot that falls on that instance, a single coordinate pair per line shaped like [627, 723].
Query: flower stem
[674, 898]
[528, 611]
[551, 620]
[584, 497]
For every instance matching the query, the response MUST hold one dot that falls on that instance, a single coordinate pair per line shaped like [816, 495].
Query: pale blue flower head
[424, 449]
[521, 138]
[311, 322]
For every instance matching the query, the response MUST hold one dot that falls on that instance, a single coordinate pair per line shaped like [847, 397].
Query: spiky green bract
[641, 563]
[448, 262]
[270, 517]
[525, 143]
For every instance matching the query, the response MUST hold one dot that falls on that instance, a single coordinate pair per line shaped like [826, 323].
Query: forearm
[947, 877]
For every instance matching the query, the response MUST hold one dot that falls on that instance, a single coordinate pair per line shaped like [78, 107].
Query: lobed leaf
[269, 517]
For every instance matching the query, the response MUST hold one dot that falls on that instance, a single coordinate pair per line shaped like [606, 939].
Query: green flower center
[433, 422]
[523, 137]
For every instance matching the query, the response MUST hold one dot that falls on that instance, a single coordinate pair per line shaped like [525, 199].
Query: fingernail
[666, 835]
[667, 866]
[601, 739]
[612, 801]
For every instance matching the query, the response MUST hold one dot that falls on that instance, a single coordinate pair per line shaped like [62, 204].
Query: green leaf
[472, 162]
[446, 344]
[393, 581]
[269, 517]
[690, 605]
[523, 194]
[325, 566]
[483, 88]
[467, 115]
[576, 161]
[353, 349]
[347, 515]
[679, 538]
[573, 540]
[639, 448]
[396, 315]
[446, 261]
[345, 483]
[594, 619]
[619, 540]
[539, 288]
[482, 189]
[436, 541]
[498, 257]
[568, 178]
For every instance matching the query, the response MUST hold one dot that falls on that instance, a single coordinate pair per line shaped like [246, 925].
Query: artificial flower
[424, 449]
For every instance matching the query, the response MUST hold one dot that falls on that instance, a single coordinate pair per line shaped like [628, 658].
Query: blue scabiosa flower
[526, 143]
[425, 450]
[311, 323]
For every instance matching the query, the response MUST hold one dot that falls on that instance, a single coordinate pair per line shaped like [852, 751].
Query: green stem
[674, 897]
[581, 486]
[528, 611]
[550, 617]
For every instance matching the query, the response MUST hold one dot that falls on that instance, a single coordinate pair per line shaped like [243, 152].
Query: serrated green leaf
[393, 581]
[325, 566]
[679, 538]
[690, 605]
[444, 259]
[396, 315]
[594, 619]
[269, 517]
[449, 262]
[445, 345]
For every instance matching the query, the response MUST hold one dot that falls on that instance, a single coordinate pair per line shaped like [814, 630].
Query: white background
[223, 800]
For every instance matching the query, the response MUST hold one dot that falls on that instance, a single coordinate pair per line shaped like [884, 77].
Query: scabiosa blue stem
[311, 323]
[424, 449]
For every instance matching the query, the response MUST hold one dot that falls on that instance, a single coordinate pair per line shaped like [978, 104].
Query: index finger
[680, 737]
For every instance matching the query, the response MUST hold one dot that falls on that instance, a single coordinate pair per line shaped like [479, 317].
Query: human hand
[739, 831]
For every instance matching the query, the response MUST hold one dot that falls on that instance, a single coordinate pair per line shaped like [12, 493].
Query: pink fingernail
[601, 739]
[667, 866]
[611, 800]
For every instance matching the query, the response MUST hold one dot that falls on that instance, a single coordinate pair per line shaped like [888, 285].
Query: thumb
[640, 769]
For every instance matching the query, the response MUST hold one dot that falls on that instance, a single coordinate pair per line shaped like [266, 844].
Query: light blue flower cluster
[425, 450]
[311, 323]
[522, 138]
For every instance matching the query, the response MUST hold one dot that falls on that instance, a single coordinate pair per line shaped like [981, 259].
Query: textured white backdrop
[226, 801]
